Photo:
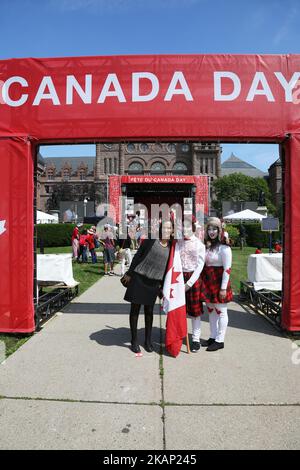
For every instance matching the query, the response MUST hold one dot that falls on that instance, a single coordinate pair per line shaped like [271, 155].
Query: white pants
[75, 247]
[218, 321]
[125, 255]
[196, 329]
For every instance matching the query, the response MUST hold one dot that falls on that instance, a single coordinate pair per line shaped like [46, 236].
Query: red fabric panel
[16, 243]
[291, 287]
[197, 113]
[202, 197]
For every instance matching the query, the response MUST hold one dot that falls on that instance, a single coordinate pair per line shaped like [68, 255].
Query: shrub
[233, 233]
[255, 237]
[55, 234]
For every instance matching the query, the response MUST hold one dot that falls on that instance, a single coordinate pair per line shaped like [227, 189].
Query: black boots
[133, 320]
[148, 328]
[135, 348]
[215, 346]
[210, 341]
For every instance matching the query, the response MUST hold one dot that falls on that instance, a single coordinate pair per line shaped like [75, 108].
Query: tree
[238, 187]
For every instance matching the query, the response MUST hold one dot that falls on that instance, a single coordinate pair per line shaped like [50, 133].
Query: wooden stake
[188, 344]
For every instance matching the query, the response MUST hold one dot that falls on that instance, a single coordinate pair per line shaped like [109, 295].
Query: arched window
[50, 173]
[66, 174]
[180, 168]
[82, 171]
[135, 168]
[158, 168]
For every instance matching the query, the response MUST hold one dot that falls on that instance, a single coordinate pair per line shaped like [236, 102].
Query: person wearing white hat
[91, 244]
[215, 282]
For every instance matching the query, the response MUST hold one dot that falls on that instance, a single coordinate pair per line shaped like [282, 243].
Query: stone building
[275, 182]
[79, 178]
[233, 164]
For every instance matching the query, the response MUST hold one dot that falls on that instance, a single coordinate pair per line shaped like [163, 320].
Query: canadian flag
[174, 302]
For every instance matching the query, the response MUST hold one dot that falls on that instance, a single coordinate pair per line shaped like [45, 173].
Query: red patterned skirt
[194, 307]
[211, 280]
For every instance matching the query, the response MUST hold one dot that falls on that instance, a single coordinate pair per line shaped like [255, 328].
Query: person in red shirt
[91, 244]
[75, 241]
[83, 244]
[277, 247]
[258, 250]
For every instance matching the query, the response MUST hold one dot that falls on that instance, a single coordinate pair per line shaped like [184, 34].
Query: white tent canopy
[247, 214]
[43, 218]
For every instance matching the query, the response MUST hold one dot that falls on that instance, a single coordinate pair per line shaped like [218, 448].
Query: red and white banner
[133, 97]
[200, 181]
[174, 302]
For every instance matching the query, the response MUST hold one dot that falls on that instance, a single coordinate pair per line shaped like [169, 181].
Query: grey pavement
[77, 385]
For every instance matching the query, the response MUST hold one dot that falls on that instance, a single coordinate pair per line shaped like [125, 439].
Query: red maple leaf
[175, 275]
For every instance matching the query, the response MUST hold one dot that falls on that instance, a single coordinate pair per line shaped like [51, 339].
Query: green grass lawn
[87, 274]
[12, 342]
[57, 249]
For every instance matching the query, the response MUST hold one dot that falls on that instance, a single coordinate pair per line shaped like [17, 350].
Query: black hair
[213, 243]
[161, 223]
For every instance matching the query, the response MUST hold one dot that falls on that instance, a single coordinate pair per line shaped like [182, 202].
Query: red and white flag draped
[174, 302]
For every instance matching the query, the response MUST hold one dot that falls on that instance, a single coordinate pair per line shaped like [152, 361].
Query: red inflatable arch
[209, 97]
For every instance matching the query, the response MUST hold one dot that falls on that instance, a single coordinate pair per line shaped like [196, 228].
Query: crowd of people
[85, 241]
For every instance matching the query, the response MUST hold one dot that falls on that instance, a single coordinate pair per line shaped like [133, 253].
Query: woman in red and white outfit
[192, 254]
[75, 240]
[215, 283]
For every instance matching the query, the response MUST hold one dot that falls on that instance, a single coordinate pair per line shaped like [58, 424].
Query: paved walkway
[77, 385]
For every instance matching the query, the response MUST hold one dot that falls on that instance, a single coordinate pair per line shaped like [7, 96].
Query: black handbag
[123, 282]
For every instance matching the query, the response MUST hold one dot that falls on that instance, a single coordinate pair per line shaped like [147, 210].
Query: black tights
[133, 320]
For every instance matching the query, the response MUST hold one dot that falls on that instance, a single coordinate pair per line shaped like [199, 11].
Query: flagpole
[187, 337]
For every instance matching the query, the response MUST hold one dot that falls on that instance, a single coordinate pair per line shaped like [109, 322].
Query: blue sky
[53, 28]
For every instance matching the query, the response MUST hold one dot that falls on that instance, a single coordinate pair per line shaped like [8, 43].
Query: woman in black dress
[144, 280]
